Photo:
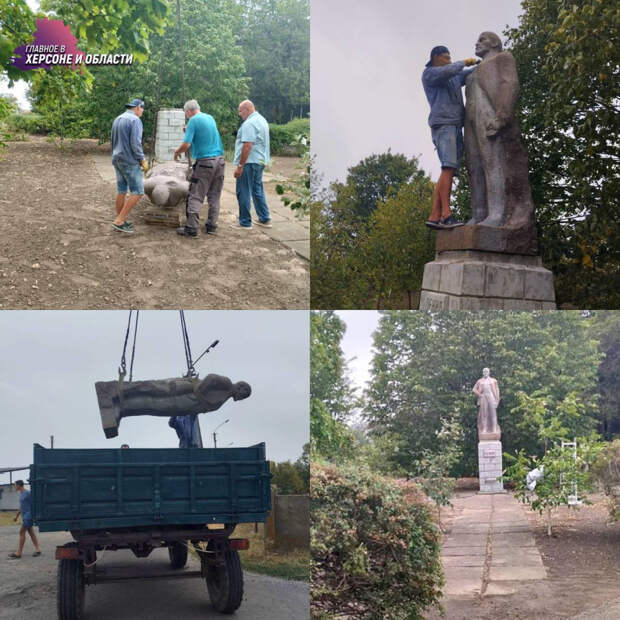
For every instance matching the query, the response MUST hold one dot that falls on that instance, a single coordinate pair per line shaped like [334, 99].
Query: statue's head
[485, 372]
[488, 41]
[241, 390]
[160, 194]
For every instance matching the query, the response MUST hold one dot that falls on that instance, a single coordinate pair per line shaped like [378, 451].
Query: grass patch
[7, 516]
[294, 565]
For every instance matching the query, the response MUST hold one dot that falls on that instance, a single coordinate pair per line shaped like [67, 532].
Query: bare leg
[130, 202]
[120, 202]
[444, 185]
[33, 536]
[436, 210]
[22, 540]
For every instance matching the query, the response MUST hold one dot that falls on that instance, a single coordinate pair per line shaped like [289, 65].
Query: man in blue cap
[129, 162]
[203, 138]
[442, 80]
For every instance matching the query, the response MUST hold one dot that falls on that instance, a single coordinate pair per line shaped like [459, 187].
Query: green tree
[108, 25]
[17, 23]
[287, 479]
[425, 365]
[275, 36]
[331, 397]
[369, 243]
[568, 60]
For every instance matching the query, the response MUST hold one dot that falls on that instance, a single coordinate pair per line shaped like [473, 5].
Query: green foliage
[331, 398]
[607, 472]
[275, 36]
[375, 549]
[426, 364]
[563, 474]
[369, 242]
[287, 479]
[29, 123]
[435, 466]
[295, 192]
[7, 107]
[568, 60]
[108, 25]
[291, 138]
[17, 23]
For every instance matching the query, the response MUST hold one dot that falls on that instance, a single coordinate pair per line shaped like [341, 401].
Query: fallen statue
[164, 397]
[167, 185]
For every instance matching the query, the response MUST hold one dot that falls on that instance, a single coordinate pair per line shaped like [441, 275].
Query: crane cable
[122, 369]
[191, 371]
[187, 153]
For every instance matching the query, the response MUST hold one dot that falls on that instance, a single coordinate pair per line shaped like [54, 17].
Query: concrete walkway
[289, 230]
[489, 549]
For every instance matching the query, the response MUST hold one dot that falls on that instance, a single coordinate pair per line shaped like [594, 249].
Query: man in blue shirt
[187, 430]
[203, 138]
[25, 509]
[251, 157]
[442, 81]
[129, 162]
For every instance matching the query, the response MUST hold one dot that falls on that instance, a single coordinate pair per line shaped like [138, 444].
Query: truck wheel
[178, 554]
[225, 583]
[70, 589]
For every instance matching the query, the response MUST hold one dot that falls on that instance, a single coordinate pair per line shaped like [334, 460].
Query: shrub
[375, 548]
[28, 123]
[284, 139]
[607, 472]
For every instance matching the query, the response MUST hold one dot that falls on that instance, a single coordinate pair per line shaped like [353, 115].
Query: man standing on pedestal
[442, 81]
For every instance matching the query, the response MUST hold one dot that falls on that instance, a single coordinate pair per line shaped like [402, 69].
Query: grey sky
[50, 360]
[357, 343]
[367, 60]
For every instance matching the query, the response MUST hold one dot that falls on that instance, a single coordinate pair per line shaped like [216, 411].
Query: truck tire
[225, 583]
[177, 552]
[70, 590]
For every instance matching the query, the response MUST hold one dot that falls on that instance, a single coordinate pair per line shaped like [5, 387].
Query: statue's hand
[493, 128]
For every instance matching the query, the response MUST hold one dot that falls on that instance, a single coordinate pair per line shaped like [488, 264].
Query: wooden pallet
[161, 216]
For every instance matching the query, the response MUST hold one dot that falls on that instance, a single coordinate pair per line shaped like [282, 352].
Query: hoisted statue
[487, 391]
[165, 397]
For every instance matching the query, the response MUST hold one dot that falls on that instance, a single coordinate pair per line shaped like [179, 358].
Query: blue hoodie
[442, 86]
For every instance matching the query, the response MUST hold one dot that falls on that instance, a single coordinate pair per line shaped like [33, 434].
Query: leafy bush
[284, 139]
[607, 471]
[375, 548]
[28, 123]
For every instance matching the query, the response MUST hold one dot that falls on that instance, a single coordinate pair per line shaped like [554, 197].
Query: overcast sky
[366, 62]
[50, 360]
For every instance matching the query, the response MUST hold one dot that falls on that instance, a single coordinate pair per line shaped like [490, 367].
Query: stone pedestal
[490, 466]
[169, 133]
[484, 268]
[476, 280]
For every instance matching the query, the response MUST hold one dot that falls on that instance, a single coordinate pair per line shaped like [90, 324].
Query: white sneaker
[266, 224]
[237, 226]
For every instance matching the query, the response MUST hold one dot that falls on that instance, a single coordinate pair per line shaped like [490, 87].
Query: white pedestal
[490, 466]
[169, 134]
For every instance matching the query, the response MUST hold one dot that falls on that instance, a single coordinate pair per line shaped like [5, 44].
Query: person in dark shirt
[186, 427]
[25, 510]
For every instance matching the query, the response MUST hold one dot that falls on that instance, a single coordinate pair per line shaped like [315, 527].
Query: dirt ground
[582, 559]
[58, 249]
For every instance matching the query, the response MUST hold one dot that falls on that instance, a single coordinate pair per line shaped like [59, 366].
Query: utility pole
[52, 442]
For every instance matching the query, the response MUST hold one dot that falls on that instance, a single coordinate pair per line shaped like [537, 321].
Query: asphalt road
[28, 588]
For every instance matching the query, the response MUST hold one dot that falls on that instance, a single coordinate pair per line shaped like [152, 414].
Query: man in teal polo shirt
[251, 156]
[202, 136]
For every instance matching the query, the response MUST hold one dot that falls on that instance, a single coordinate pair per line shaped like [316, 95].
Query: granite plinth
[488, 239]
[476, 280]
[490, 466]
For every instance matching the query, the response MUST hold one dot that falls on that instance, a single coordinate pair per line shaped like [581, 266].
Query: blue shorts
[448, 140]
[26, 522]
[128, 174]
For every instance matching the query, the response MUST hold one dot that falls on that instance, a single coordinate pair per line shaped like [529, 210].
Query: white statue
[487, 391]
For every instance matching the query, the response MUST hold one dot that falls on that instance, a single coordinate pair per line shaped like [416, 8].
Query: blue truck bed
[94, 489]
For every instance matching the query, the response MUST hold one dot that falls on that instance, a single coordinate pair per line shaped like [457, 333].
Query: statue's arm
[496, 389]
[475, 388]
